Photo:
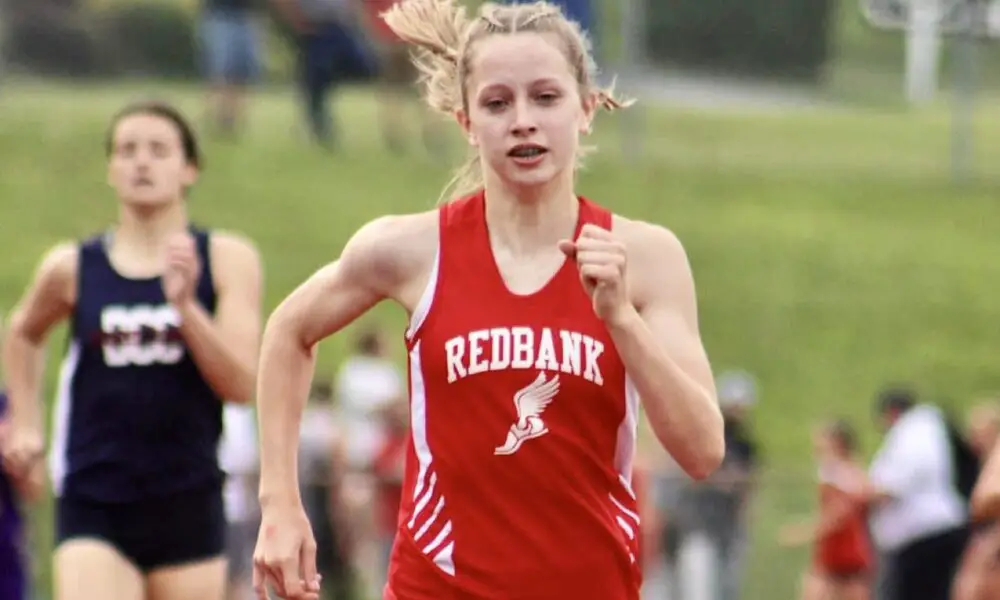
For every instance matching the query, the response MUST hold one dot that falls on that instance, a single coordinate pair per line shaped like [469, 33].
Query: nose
[523, 124]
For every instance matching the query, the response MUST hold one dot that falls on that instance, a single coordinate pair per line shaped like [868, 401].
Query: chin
[533, 179]
[147, 201]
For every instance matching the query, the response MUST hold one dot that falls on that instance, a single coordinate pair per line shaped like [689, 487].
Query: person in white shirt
[368, 382]
[238, 458]
[918, 518]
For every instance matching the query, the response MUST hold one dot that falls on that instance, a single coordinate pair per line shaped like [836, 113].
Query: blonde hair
[443, 34]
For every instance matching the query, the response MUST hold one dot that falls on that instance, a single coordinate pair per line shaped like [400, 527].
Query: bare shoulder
[58, 269]
[657, 260]
[229, 245]
[396, 251]
[646, 240]
[236, 262]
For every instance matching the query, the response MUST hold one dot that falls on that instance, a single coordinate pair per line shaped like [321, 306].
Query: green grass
[831, 251]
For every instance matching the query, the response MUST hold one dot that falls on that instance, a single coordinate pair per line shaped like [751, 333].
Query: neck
[527, 220]
[146, 231]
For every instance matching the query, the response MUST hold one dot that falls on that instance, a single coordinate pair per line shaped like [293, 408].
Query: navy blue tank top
[134, 418]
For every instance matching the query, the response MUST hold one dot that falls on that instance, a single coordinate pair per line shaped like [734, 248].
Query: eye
[547, 97]
[160, 150]
[495, 104]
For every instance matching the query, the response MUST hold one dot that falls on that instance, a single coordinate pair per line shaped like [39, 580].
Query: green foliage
[785, 38]
[150, 38]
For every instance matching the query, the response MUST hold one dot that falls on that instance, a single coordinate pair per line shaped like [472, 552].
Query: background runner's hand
[182, 270]
[285, 557]
[21, 448]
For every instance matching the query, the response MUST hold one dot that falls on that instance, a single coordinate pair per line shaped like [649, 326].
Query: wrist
[624, 321]
[279, 494]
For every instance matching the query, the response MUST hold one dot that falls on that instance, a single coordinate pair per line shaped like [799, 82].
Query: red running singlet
[845, 551]
[518, 478]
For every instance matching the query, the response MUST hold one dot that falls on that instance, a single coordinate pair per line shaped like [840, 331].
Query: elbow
[707, 451]
[984, 503]
[706, 459]
[244, 387]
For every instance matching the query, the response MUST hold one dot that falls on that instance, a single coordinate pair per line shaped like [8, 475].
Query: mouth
[142, 182]
[527, 151]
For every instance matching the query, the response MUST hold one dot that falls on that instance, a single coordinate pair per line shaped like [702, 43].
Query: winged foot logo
[531, 402]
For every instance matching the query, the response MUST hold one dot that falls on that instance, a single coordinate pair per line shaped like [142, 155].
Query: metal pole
[964, 101]
[630, 59]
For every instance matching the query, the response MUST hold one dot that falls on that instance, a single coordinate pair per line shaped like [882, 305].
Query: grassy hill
[830, 250]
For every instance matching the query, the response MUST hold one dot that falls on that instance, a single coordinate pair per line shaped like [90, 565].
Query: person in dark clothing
[229, 37]
[329, 53]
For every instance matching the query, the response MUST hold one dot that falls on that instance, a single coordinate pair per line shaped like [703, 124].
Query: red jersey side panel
[518, 481]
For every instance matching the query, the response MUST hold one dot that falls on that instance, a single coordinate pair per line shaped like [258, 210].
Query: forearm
[287, 368]
[681, 412]
[23, 366]
[985, 501]
[231, 377]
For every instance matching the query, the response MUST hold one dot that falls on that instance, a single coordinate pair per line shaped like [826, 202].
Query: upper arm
[238, 276]
[50, 297]
[377, 263]
[663, 292]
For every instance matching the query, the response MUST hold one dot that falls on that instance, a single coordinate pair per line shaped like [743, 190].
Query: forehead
[146, 126]
[518, 59]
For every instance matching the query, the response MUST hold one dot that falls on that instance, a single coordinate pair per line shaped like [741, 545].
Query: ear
[589, 104]
[463, 121]
[189, 176]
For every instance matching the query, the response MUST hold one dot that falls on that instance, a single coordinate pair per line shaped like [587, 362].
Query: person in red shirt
[842, 555]
[538, 323]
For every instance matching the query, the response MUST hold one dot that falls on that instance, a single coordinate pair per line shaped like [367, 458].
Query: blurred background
[833, 168]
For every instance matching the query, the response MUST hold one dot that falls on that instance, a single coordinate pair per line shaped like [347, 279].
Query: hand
[601, 260]
[285, 557]
[22, 449]
[182, 269]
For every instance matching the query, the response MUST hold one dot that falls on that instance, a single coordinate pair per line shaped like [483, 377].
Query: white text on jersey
[505, 348]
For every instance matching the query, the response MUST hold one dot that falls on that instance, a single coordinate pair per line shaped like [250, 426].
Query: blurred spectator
[388, 469]
[727, 493]
[979, 573]
[13, 555]
[367, 383]
[918, 517]
[229, 36]
[397, 84]
[321, 465]
[842, 561]
[329, 52]
[13, 543]
[238, 459]
[705, 530]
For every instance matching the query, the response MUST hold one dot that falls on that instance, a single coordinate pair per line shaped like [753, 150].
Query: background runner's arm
[225, 347]
[985, 502]
[663, 354]
[331, 299]
[49, 299]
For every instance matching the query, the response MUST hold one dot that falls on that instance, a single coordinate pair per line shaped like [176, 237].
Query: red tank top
[847, 549]
[518, 478]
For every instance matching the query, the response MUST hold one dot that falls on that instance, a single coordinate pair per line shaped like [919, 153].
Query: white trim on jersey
[423, 307]
[58, 459]
[441, 547]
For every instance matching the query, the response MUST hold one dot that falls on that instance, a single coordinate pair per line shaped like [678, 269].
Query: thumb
[568, 248]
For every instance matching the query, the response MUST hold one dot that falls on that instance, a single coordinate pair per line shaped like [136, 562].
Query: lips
[527, 151]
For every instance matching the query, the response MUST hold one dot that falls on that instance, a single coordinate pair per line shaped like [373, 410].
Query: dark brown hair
[189, 141]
